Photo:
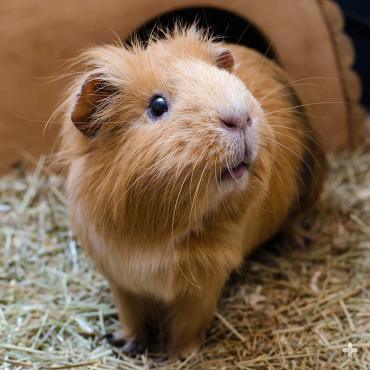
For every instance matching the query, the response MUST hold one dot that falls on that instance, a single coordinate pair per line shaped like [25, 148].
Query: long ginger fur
[147, 201]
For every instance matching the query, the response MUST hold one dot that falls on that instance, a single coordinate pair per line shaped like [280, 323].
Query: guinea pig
[182, 156]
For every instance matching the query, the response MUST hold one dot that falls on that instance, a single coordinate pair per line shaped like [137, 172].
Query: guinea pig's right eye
[157, 106]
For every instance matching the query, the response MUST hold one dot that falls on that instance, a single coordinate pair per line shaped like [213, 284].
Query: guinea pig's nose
[237, 122]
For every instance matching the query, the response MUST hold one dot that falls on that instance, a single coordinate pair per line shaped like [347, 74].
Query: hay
[289, 309]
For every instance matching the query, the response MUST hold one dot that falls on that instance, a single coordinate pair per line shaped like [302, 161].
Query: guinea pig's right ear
[224, 58]
[91, 100]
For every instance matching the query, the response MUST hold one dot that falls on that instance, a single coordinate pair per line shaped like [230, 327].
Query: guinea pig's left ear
[90, 103]
[224, 58]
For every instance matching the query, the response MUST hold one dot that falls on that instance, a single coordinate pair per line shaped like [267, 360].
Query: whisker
[285, 86]
[260, 66]
[288, 109]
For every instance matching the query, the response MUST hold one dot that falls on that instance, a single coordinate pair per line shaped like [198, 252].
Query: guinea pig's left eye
[157, 106]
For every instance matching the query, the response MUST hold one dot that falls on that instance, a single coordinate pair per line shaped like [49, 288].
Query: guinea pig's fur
[153, 200]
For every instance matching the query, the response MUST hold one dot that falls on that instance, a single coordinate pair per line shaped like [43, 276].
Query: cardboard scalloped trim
[351, 81]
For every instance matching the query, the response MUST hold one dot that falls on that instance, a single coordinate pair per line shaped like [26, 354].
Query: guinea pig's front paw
[115, 339]
[134, 347]
[189, 349]
[298, 239]
[127, 346]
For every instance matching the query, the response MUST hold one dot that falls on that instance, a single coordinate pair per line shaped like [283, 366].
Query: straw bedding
[289, 308]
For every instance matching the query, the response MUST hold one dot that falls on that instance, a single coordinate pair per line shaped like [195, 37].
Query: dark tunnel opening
[228, 26]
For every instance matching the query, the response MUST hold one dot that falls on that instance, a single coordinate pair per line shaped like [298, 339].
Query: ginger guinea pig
[182, 156]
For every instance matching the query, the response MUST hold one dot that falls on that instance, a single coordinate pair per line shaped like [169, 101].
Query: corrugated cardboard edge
[351, 82]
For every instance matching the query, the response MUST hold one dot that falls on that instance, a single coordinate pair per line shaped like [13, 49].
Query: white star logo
[350, 350]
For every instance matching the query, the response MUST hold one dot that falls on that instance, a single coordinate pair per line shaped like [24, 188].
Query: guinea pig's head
[163, 135]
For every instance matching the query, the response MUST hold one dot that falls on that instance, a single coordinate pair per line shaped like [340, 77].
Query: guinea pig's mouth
[235, 172]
